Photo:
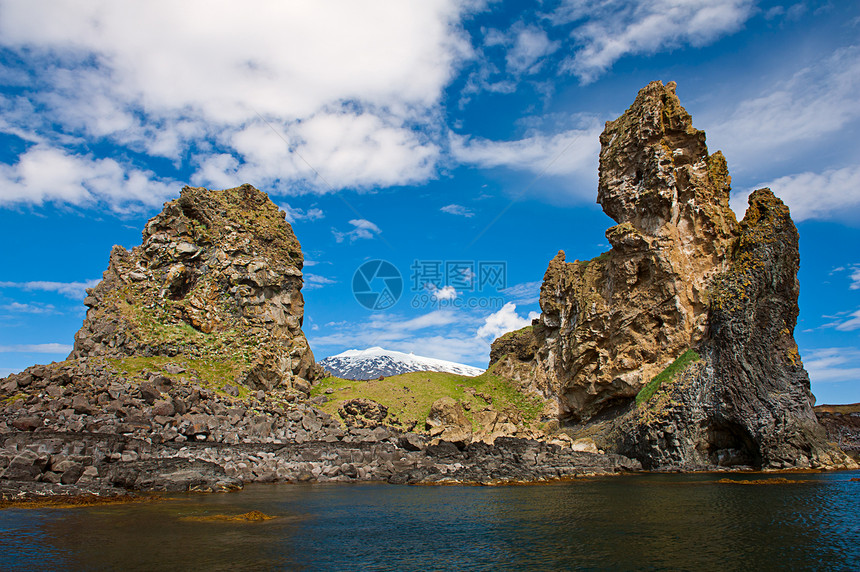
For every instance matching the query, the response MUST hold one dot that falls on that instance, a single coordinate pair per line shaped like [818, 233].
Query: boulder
[362, 412]
[447, 411]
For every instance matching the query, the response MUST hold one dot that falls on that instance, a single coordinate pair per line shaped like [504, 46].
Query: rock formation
[191, 372]
[682, 275]
[218, 277]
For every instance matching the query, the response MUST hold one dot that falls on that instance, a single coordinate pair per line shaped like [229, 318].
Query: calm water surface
[649, 522]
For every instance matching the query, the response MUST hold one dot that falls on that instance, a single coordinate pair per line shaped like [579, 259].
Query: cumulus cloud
[362, 228]
[827, 195]
[52, 348]
[47, 174]
[75, 290]
[609, 30]
[504, 321]
[458, 210]
[348, 86]
[833, 364]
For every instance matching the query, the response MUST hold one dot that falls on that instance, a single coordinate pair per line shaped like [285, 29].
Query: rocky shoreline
[76, 428]
[673, 351]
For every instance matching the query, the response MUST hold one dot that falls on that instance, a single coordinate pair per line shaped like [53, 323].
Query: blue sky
[437, 134]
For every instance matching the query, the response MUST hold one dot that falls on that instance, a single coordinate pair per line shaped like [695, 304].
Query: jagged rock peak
[655, 169]
[218, 275]
[610, 324]
[616, 344]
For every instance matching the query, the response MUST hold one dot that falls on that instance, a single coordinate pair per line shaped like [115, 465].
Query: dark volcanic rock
[842, 423]
[748, 401]
[682, 276]
[218, 276]
[362, 412]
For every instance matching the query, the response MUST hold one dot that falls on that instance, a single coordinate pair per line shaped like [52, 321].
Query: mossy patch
[409, 396]
[515, 333]
[666, 375]
[208, 373]
[599, 259]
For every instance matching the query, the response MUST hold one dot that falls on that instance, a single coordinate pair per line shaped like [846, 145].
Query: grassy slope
[210, 374]
[666, 375]
[409, 396]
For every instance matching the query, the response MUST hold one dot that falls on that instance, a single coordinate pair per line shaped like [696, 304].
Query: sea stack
[676, 346]
[218, 276]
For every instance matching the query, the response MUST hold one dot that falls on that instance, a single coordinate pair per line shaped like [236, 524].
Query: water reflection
[654, 522]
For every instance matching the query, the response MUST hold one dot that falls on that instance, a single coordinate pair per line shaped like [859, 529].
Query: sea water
[632, 522]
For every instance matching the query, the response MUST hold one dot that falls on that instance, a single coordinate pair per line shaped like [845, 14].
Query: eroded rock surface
[219, 277]
[610, 324]
[748, 400]
[682, 274]
[191, 373]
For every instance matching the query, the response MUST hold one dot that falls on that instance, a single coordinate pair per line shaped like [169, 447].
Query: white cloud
[314, 281]
[504, 321]
[442, 294]
[530, 45]
[295, 213]
[828, 195]
[47, 174]
[52, 348]
[17, 307]
[573, 152]
[452, 334]
[458, 210]
[352, 87]
[815, 101]
[362, 228]
[524, 293]
[336, 149]
[384, 329]
[76, 290]
[833, 365]
[855, 277]
[444, 334]
[616, 28]
[849, 325]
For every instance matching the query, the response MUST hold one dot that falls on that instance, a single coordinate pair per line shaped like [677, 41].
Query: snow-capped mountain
[374, 362]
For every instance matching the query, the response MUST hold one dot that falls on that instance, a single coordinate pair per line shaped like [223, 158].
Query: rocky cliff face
[218, 276]
[610, 324]
[747, 401]
[682, 274]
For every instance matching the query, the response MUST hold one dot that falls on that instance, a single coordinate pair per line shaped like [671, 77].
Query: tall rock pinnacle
[610, 324]
[682, 276]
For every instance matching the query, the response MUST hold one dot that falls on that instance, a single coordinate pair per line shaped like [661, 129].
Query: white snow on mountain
[375, 362]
